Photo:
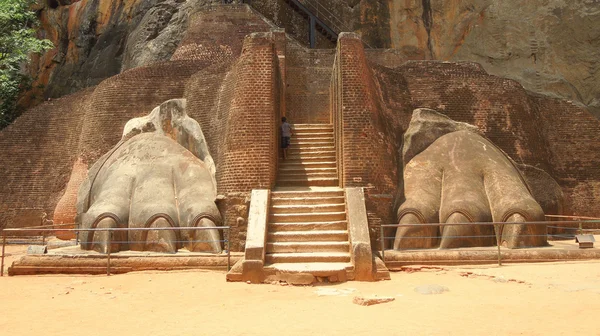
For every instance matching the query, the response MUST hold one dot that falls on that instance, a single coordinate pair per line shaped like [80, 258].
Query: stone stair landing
[308, 234]
[311, 159]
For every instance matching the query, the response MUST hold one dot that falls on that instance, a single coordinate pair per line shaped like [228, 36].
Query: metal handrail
[342, 27]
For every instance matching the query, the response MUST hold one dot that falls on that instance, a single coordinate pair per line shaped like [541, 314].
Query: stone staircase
[311, 158]
[308, 233]
[307, 229]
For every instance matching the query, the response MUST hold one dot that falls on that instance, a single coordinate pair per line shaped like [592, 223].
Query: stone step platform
[307, 200]
[309, 158]
[311, 127]
[307, 246]
[303, 165]
[296, 175]
[309, 182]
[308, 142]
[307, 192]
[313, 208]
[314, 236]
[305, 274]
[298, 169]
[307, 217]
[320, 134]
[307, 257]
[305, 154]
[313, 137]
[311, 149]
[73, 260]
[306, 226]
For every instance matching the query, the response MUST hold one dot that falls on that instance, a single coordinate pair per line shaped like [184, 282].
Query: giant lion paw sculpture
[453, 174]
[160, 175]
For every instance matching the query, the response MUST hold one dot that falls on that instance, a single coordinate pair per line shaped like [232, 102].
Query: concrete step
[301, 247]
[307, 200]
[324, 192]
[309, 158]
[308, 182]
[307, 217]
[312, 141]
[307, 257]
[299, 169]
[318, 153]
[311, 127]
[307, 226]
[313, 208]
[310, 149]
[312, 236]
[312, 135]
[316, 269]
[304, 175]
[304, 165]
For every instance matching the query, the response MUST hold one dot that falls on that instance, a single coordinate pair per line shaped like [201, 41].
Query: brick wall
[295, 24]
[572, 135]
[216, 34]
[500, 107]
[38, 151]
[369, 144]
[308, 76]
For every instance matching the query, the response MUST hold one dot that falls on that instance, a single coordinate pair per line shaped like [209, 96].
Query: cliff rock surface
[98, 39]
[548, 46]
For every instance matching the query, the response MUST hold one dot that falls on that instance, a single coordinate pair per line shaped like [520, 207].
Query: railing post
[312, 32]
[382, 242]
[3, 245]
[109, 246]
[498, 243]
[228, 251]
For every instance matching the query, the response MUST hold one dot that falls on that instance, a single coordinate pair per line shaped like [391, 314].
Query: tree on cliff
[17, 41]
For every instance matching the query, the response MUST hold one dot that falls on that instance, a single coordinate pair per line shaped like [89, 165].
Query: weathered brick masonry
[38, 152]
[365, 130]
[308, 77]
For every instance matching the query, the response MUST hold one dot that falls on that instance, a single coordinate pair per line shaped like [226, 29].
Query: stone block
[371, 300]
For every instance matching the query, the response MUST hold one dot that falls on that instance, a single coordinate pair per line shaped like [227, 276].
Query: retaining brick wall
[573, 138]
[237, 106]
[308, 76]
[368, 141]
[38, 151]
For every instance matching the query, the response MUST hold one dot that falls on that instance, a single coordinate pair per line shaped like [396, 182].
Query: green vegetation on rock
[17, 41]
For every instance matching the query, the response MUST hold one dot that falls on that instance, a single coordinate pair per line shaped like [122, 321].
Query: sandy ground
[524, 299]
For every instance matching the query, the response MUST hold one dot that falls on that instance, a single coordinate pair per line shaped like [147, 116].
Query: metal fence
[37, 235]
[567, 225]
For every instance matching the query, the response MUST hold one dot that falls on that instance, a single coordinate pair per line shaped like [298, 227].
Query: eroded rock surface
[154, 177]
[98, 39]
[455, 175]
[549, 47]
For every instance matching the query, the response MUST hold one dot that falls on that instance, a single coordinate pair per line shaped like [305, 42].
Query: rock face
[98, 39]
[550, 47]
